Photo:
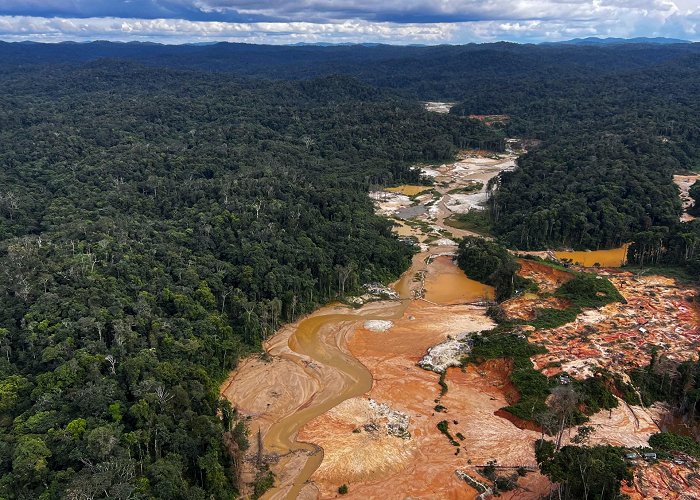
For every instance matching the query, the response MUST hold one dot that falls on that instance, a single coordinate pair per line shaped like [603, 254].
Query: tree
[584, 472]
[489, 263]
[564, 404]
[30, 461]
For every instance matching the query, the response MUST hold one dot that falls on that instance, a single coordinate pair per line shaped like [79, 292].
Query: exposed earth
[438, 107]
[353, 395]
[684, 183]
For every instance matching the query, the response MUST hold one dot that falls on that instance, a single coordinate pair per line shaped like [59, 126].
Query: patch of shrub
[264, 480]
[668, 442]
[589, 290]
[443, 426]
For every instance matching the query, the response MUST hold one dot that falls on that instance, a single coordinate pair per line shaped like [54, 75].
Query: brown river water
[320, 337]
[446, 284]
[614, 257]
[356, 379]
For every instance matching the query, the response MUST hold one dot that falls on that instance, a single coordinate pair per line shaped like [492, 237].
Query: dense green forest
[165, 209]
[583, 471]
[151, 233]
[602, 175]
[443, 72]
[488, 263]
[678, 384]
[615, 121]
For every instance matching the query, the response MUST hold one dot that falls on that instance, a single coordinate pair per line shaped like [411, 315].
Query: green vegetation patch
[666, 380]
[668, 442]
[583, 471]
[532, 385]
[595, 393]
[442, 383]
[476, 221]
[489, 263]
[584, 290]
[443, 426]
[552, 318]
[474, 187]
[589, 290]
[264, 480]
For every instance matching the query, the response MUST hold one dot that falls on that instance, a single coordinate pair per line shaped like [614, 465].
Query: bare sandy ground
[326, 401]
[684, 182]
[658, 312]
[379, 465]
[438, 107]
[469, 168]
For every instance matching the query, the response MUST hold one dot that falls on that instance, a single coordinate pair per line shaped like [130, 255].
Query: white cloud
[395, 21]
[179, 30]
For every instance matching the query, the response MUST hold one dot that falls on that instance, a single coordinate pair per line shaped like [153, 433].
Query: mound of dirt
[547, 278]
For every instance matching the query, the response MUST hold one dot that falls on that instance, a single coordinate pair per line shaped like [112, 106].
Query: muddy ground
[341, 398]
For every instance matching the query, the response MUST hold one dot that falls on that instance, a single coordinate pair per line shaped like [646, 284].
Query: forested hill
[438, 72]
[616, 121]
[603, 174]
[154, 226]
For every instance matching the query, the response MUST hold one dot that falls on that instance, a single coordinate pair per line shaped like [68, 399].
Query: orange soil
[547, 278]
[518, 422]
[525, 306]
[663, 480]
[376, 465]
[610, 337]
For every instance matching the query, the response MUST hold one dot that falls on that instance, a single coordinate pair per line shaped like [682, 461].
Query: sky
[343, 21]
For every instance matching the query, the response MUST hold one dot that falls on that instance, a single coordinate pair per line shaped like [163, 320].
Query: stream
[307, 341]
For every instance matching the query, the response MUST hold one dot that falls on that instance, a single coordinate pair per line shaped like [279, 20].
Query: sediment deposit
[341, 397]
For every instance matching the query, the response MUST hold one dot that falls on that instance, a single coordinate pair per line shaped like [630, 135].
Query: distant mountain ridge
[434, 73]
[593, 40]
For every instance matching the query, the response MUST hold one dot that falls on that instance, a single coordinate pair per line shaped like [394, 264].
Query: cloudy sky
[387, 21]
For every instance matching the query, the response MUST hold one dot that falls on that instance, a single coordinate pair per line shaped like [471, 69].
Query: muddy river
[313, 344]
[615, 257]
[446, 284]
[318, 344]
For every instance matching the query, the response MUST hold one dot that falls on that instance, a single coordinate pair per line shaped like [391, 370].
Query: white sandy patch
[433, 212]
[378, 325]
[629, 426]
[463, 203]
[389, 203]
[446, 354]
[445, 242]
[438, 107]
[430, 172]
[580, 368]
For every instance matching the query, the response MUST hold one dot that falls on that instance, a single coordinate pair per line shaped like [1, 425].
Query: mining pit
[355, 395]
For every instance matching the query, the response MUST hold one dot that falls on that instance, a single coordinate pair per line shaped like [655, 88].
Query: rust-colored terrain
[341, 397]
